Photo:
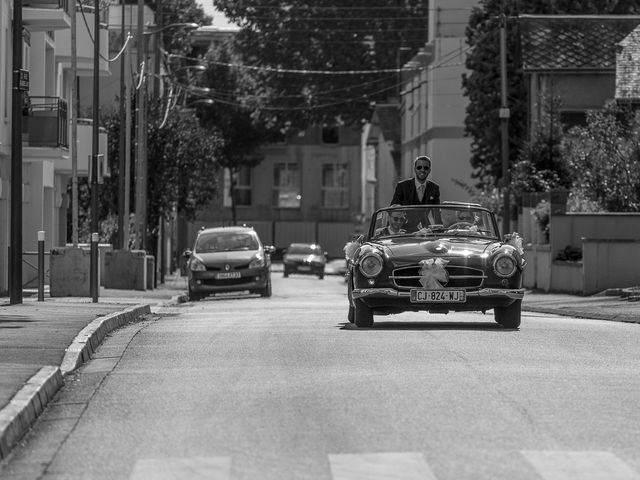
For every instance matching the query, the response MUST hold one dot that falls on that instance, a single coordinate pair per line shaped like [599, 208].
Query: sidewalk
[41, 342]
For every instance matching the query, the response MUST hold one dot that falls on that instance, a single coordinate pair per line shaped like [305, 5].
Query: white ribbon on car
[432, 272]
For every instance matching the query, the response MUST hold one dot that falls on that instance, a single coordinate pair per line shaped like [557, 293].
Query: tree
[184, 168]
[298, 53]
[243, 135]
[482, 85]
[604, 158]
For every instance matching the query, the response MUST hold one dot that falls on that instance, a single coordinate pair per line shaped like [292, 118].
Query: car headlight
[504, 265]
[257, 262]
[197, 265]
[371, 265]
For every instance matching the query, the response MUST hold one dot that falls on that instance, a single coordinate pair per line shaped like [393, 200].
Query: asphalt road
[284, 388]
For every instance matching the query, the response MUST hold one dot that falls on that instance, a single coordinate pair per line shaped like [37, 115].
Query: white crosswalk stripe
[550, 465]
[193, 468]
[568, 465]
[380, 466]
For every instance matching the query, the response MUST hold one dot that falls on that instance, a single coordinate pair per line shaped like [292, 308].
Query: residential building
[572, 61]
[307, 189]
[48, 104]
[381, 162]
[432, 104]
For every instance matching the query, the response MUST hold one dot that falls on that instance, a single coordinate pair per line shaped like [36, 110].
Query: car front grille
[459, 277]
[220, 268]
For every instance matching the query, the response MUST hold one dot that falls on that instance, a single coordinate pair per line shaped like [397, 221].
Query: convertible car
[435, 258]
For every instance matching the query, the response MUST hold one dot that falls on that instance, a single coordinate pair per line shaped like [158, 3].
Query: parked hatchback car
[304, 258]
[228, 259]
[437, 259]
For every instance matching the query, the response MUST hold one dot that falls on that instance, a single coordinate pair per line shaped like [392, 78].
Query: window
[286, 185]
[335, 183]
[570, 119]
[243, 187]
[330, 135]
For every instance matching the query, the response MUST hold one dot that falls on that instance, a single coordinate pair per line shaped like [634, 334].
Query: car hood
[408, 248]
[232, 258]
[303, 257]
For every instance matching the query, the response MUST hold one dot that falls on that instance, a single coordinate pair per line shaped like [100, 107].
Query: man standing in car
[417, 190]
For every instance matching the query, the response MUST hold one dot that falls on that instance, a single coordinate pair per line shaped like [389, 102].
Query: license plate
[438, 296]
[225, 275]
[304, 268]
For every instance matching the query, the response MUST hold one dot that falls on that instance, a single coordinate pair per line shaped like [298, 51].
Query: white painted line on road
[194, 468]
[380, 466]
[569, 465]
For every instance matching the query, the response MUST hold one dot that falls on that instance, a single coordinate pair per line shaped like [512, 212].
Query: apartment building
[47, 142]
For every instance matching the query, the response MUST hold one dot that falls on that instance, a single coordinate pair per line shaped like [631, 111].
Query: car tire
[266, 291]
[351, 315]
[321, 275]
[286, 274]
[509, 317]
[363, 315]
[195, 297]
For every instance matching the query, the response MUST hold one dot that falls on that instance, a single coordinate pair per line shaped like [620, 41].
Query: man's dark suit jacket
[406, 193]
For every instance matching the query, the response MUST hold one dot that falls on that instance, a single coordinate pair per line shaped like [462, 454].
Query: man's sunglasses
[397, 219]
[422, 167]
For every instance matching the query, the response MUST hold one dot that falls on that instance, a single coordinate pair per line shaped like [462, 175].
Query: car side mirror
[186, 253]
[269, 249]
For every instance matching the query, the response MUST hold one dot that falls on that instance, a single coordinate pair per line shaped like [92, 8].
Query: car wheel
[509, 317]
[351, 315]
[321, 275]
[266, 292]
[363, 315]
[194, 297]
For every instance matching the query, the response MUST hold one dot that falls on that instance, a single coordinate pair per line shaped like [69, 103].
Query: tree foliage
[482, 85]
[604, 158]
[243, 135]
[294, 51]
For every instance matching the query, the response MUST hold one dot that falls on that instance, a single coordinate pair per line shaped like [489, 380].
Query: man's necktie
[421, 192]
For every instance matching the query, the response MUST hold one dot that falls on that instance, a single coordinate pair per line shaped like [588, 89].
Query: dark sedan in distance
[304, 258]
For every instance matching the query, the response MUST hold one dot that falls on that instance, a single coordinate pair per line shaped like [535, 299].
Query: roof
[573, 42]
[226, 229]
[628, 67]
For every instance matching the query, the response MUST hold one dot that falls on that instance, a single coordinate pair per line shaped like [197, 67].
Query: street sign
[21, 79]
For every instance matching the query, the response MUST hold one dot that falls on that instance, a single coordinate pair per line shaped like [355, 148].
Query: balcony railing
[44, 122]
[54, 4]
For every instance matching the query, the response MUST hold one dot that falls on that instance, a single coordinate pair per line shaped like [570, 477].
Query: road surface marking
[567, 465]
[380, 466]
[194, 468]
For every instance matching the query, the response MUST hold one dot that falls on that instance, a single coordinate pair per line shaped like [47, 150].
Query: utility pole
[504, 127]
[141, 163]
[122, 214]
[74, 127]
[15, 265]
[94, 281]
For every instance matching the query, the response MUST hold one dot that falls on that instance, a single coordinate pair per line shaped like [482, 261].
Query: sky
[219, 20]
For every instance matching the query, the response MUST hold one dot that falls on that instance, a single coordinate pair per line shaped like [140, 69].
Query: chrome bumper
[514, 293]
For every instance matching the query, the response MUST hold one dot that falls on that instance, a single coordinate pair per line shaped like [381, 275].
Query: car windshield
[449, 220]
[302, 249]
[226, 242]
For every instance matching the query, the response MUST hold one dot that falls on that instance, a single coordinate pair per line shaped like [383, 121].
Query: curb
[24, 408]
[582, 314]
